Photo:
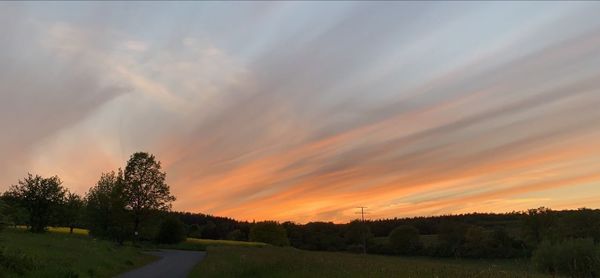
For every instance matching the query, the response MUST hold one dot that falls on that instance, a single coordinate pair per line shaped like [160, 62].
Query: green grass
[58, 254]
[236, 261]
[65, 230]
[197, 244]
[219, 242]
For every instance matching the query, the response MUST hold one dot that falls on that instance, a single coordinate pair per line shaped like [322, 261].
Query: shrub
[405, 239]
[269, 232]
[572, 257]
[171, 231]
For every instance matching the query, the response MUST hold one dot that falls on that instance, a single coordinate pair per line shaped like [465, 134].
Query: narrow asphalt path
[172, 264]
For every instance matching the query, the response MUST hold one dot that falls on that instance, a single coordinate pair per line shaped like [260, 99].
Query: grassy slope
[232, 261]
[57, 254]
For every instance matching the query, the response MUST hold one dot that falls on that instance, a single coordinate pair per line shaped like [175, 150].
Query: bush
[171, 231]
[269, 232]
[405, 239]
[573, 258]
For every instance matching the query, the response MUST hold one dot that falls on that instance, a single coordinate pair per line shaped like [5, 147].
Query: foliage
[357, 235]
[12, 210]
[538, 225]
[71, 211]
[322, 236]
[171, 231]
[269, 232]
[212, 227]
[105, 207]
[145, 188]
[41, 197]
[405, 239]
[194, 230]
[572, 258]
[236, 235]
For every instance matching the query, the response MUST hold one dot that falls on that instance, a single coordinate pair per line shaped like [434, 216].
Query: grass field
[196, 244]
[232, 261]
[57, 254]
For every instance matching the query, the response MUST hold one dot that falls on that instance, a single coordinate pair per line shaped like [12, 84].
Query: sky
[304, 111]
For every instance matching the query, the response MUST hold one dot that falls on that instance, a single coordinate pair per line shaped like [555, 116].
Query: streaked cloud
[304, 111]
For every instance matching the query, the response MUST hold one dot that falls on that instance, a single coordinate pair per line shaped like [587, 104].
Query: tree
[41, 197]
[538, 225]
[236, 235]
[105, 208]
[269, 232]
[323, 236]
[171, 231]
[476, 243]
[195, 230]
[71, 213]
[451, 236]
[145, 187]
[14, 211]
[405, 239]
[357, 235]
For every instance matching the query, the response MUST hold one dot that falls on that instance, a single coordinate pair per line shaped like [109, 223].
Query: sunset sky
[304, 111]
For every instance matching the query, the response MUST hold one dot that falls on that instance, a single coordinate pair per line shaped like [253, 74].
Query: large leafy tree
[41, 197]
[145, 187]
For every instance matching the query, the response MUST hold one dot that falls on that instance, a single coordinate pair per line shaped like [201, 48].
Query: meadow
[59, 254]
[268, 261]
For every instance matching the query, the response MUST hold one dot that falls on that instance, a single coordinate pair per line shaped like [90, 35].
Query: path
[172, 264]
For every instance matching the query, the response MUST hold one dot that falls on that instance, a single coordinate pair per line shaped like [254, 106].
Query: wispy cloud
[304, 111]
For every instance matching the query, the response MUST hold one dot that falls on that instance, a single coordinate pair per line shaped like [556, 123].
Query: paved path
[172, 264]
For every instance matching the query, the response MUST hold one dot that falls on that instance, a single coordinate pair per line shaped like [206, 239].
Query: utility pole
[364, 228]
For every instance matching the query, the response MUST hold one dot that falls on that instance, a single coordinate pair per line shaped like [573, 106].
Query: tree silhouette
[72, 207]
[269, 232]
[105, 206]
[145, 187]
[405, 239]
[41, 197]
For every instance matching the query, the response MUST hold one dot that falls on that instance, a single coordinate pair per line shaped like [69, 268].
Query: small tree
[105, 208]
[405, 239]
[171, 231]
[41, 197]
[14, 211]
[269, 232]
[145, 187]
[357, 235]
[72, 208]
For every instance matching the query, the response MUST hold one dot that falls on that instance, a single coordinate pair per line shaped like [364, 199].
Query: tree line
[134, 205]
[127, 204]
